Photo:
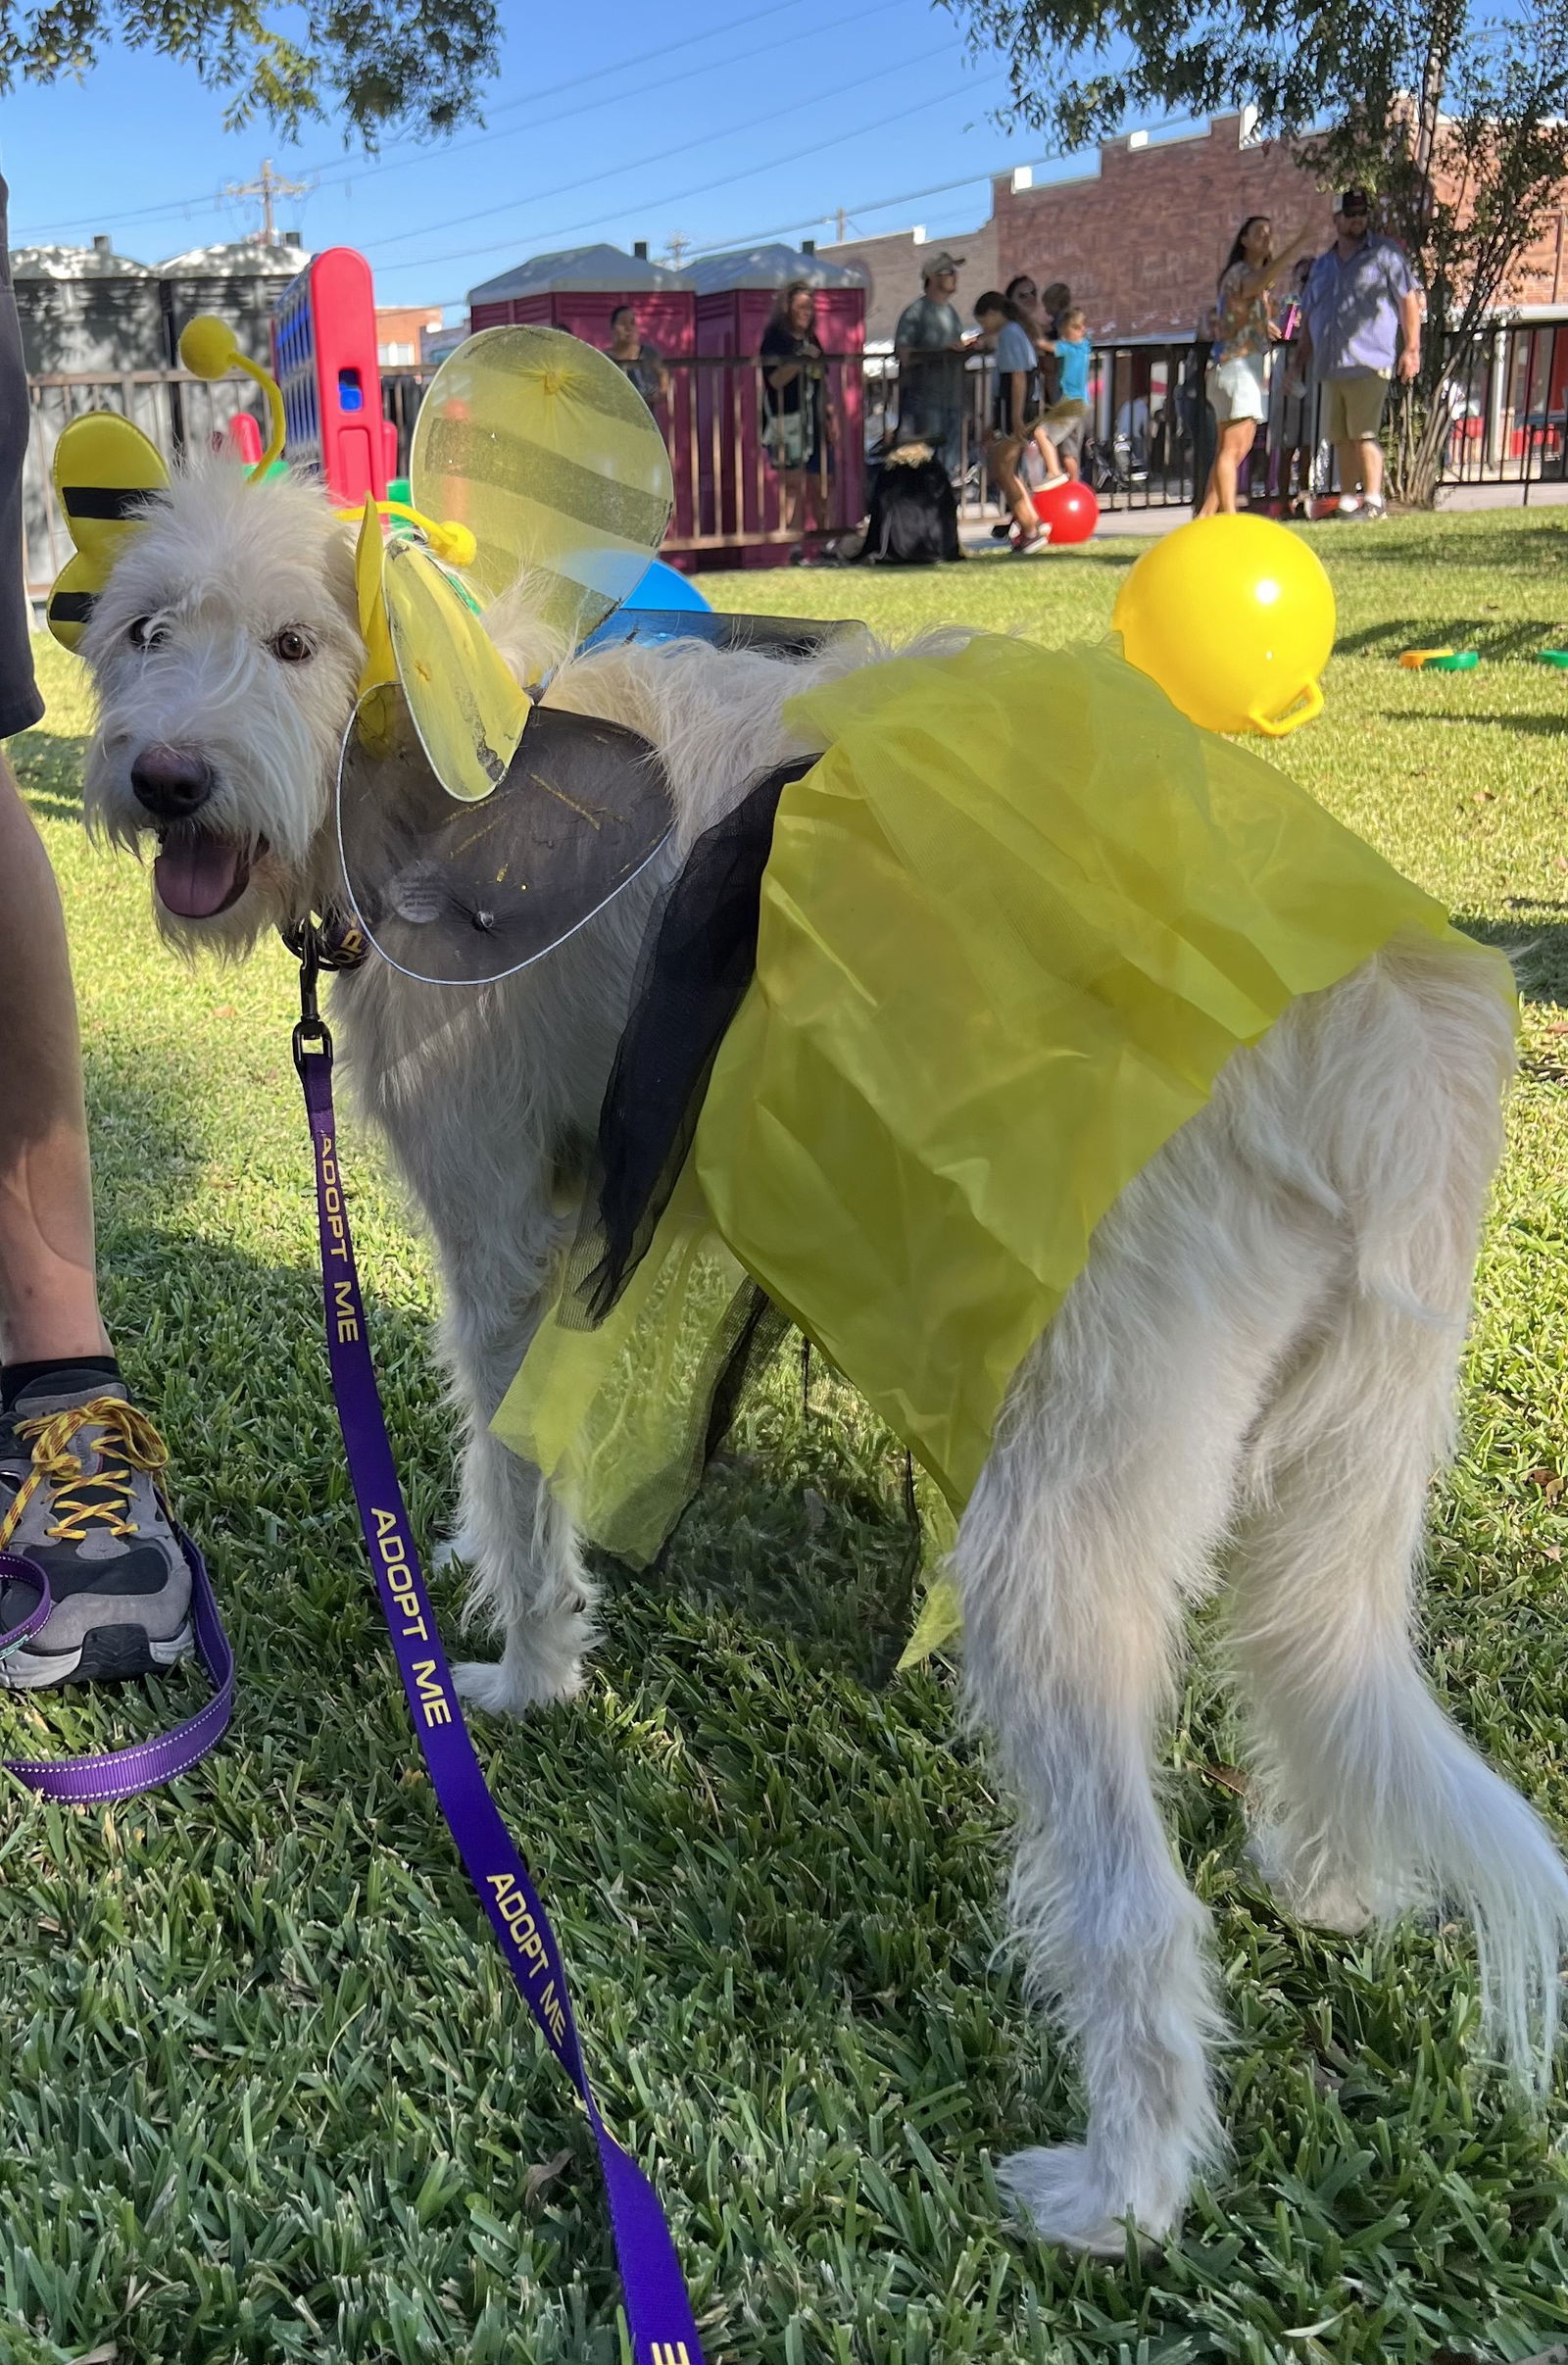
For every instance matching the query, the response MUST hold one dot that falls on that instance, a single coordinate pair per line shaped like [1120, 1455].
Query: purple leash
[662, 2329]
[121, 1773]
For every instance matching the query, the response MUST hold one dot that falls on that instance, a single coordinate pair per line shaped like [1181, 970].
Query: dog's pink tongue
[195, 874]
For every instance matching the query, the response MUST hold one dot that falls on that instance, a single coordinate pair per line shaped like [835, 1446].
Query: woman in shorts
[798, 425]
[1237, 387]
[1014, 408]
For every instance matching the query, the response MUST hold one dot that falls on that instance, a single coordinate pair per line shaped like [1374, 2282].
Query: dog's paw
[542, 1663]
[1066, 2195]
[1306, 1889]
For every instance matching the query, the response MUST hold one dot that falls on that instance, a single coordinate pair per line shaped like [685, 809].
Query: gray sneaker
[78, 1495]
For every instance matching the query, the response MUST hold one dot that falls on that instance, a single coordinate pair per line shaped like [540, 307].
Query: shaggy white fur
[1261, 1351]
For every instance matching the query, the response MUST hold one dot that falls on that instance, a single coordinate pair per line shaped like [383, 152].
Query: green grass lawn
[269, 2093]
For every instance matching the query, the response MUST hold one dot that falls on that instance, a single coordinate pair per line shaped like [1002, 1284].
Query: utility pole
[678, 243]
[844, 226]
[270, 184]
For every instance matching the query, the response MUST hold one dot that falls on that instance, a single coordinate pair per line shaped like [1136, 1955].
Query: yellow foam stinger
[105, 473]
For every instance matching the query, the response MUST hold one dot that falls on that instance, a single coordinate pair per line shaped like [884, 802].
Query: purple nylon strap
[121, 1773]
[659, 2314]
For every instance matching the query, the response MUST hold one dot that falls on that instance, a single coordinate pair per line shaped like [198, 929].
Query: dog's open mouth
[197, 875]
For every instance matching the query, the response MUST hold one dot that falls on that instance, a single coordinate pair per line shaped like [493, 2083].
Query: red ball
[1069, 509]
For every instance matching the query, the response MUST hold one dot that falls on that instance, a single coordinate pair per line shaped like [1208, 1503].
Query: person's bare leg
[1235, 442]
[1352, 457]
[1371, 453]
[48, 1285]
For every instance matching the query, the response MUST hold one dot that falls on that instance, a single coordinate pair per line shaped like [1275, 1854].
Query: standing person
[1293, 418]
[797, 431]
[1067, 419]
[77, 1460]
[1237, 385]
[1021, 291]
[1194, 378]
[1363, 322]
[930, 346]
[1014, 410]
[642, 361]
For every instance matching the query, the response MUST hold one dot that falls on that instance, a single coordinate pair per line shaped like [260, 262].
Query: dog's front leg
[529, 1584]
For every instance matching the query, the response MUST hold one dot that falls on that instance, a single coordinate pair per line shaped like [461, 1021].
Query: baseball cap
[1354, 200]
[940, 261]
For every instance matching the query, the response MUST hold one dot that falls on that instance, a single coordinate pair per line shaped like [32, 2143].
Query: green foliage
[413, 64]
[269, 2094]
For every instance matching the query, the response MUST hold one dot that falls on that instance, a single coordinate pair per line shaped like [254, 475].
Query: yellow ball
[1234, 618]
[208, 346]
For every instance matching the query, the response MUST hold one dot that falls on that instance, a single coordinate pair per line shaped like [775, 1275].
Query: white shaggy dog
[1261, 1353]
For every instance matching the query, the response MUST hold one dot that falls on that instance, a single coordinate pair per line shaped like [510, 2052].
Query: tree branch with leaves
[383, 65]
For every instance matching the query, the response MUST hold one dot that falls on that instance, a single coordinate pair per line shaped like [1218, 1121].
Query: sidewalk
[976, 532]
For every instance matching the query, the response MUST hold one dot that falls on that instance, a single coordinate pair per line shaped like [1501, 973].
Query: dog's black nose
[173, 782]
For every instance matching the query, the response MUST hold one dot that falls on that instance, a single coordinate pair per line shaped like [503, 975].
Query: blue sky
[734, 121]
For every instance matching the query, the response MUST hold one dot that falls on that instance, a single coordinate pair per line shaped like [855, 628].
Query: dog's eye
[292, 645]
[145, 632]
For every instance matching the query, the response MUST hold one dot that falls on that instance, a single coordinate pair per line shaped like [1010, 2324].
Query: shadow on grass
[1536, 940]
[48, 766]
[1533, 727]
[1533, 544]
[805, 1536]
[1495, 637]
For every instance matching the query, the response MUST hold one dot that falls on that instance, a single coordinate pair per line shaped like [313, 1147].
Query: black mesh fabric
[698, 956]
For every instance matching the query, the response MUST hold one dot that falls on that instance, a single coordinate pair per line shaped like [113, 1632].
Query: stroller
[914, 512]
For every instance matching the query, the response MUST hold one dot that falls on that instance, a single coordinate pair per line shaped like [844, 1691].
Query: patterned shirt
[1244, 321]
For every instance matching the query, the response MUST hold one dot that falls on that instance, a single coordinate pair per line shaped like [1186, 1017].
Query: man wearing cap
[1363, 321]
[930, 346]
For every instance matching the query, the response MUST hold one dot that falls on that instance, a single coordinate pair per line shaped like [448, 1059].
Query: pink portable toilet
[579, 290]
[736, 488]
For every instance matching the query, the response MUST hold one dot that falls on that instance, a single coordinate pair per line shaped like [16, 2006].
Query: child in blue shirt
[1067, 418]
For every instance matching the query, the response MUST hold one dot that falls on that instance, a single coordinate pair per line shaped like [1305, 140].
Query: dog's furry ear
[340, 571]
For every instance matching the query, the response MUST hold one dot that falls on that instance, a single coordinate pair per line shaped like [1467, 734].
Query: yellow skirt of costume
[1013, 924]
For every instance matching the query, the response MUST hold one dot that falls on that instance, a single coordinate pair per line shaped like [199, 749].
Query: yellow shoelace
[129, 1443]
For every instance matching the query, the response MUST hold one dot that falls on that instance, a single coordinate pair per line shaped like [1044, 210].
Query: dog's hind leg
[1098, 1512]
[1370, 1798]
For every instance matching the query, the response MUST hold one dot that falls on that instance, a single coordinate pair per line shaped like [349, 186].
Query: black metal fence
[1152, 431]
[1149, 446]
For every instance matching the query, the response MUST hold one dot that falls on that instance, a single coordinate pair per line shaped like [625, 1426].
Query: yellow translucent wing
[547, 452]
[468, 709]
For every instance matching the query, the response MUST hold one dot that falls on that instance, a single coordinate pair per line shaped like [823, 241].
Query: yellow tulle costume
[1013, 924]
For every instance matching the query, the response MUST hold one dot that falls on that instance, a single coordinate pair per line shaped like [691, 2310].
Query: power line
[871, 205]
[673, 196]
[640, 164]
[345, 169]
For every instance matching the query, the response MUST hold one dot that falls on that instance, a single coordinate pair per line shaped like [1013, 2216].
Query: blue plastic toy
[664, 587]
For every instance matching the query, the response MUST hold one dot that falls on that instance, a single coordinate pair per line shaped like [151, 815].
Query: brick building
[1141, 237]
[401, 331]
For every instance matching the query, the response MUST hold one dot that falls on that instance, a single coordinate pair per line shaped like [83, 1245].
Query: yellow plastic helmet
[1234, 618]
